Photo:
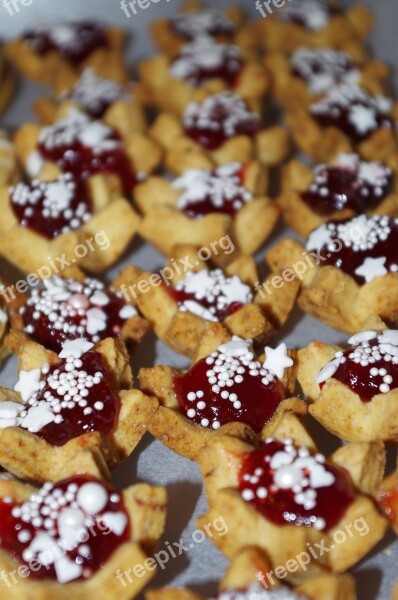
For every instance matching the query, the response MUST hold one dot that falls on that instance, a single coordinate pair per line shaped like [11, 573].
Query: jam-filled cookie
[62, 310]
[54, 225]
[309, 74]
[188, 294]
[221, 129]
[196, 20]
[62, 404]
[312, 24]
[348, 271]
[353, 392]
[202, 68]
[47, 53]
[226, 384]
[9, 171]
[284, 497]
[250, 577]
[347, 119]
[117, 104]
[348, 186]
[202, 205]
[99, 154]
[68, 539]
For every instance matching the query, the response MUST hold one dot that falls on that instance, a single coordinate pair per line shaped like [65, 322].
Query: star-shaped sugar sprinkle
[3, 316]
[363, 118]
[28, 383]
[236, 347]
[75, 348]
[319, 238]
[372, 268]
[277, 360]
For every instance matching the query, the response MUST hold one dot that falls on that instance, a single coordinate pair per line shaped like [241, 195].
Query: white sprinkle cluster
[371, 178]
[62, 521]
[77, 127]
[362, 109]
[324, 68]
[62, 300]
[204, 22]
[314, 15]
[360, 233]
[221, 186]
[293, 469]
[380, 356]
[204, 54]
[257, 592]
[65, 36]
[228, 366]
[55, 199]
[224, 112]
[70, 386]
[92, 92]
[214, 288]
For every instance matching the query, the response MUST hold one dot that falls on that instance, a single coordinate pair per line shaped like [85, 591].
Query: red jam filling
[357, 186]
[210, 22]
[220, 314]
[74, 41]
[218, 119]
[289, 486]
[54, 208]
[220, 191]
[222, 389]
[371, 367]
[82, 395]
[353, 111]
[65, 143]
[364, 248]
[65, 531]
[387, 500]
[69, 309]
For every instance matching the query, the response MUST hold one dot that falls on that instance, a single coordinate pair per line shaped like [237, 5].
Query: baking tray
[202, 565]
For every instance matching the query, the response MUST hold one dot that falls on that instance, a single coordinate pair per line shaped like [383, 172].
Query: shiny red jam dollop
[218, 119]
[52, 208]
[85, 148]
[363, 247]
[219, 191]
[289, 486]
[66, 309]
[204, 59]
[349, 183]
[229, 385]
[352, 110]
[74, 397]
[67, 530]
[210, 294]
[369, 367]
[74, 41]
[211, 22]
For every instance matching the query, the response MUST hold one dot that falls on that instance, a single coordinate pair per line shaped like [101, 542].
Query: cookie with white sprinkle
[354, 391]
[281, 494]
[201, 67]
[203, 205]
[78, 532]
[63, 404]
[226, 385]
